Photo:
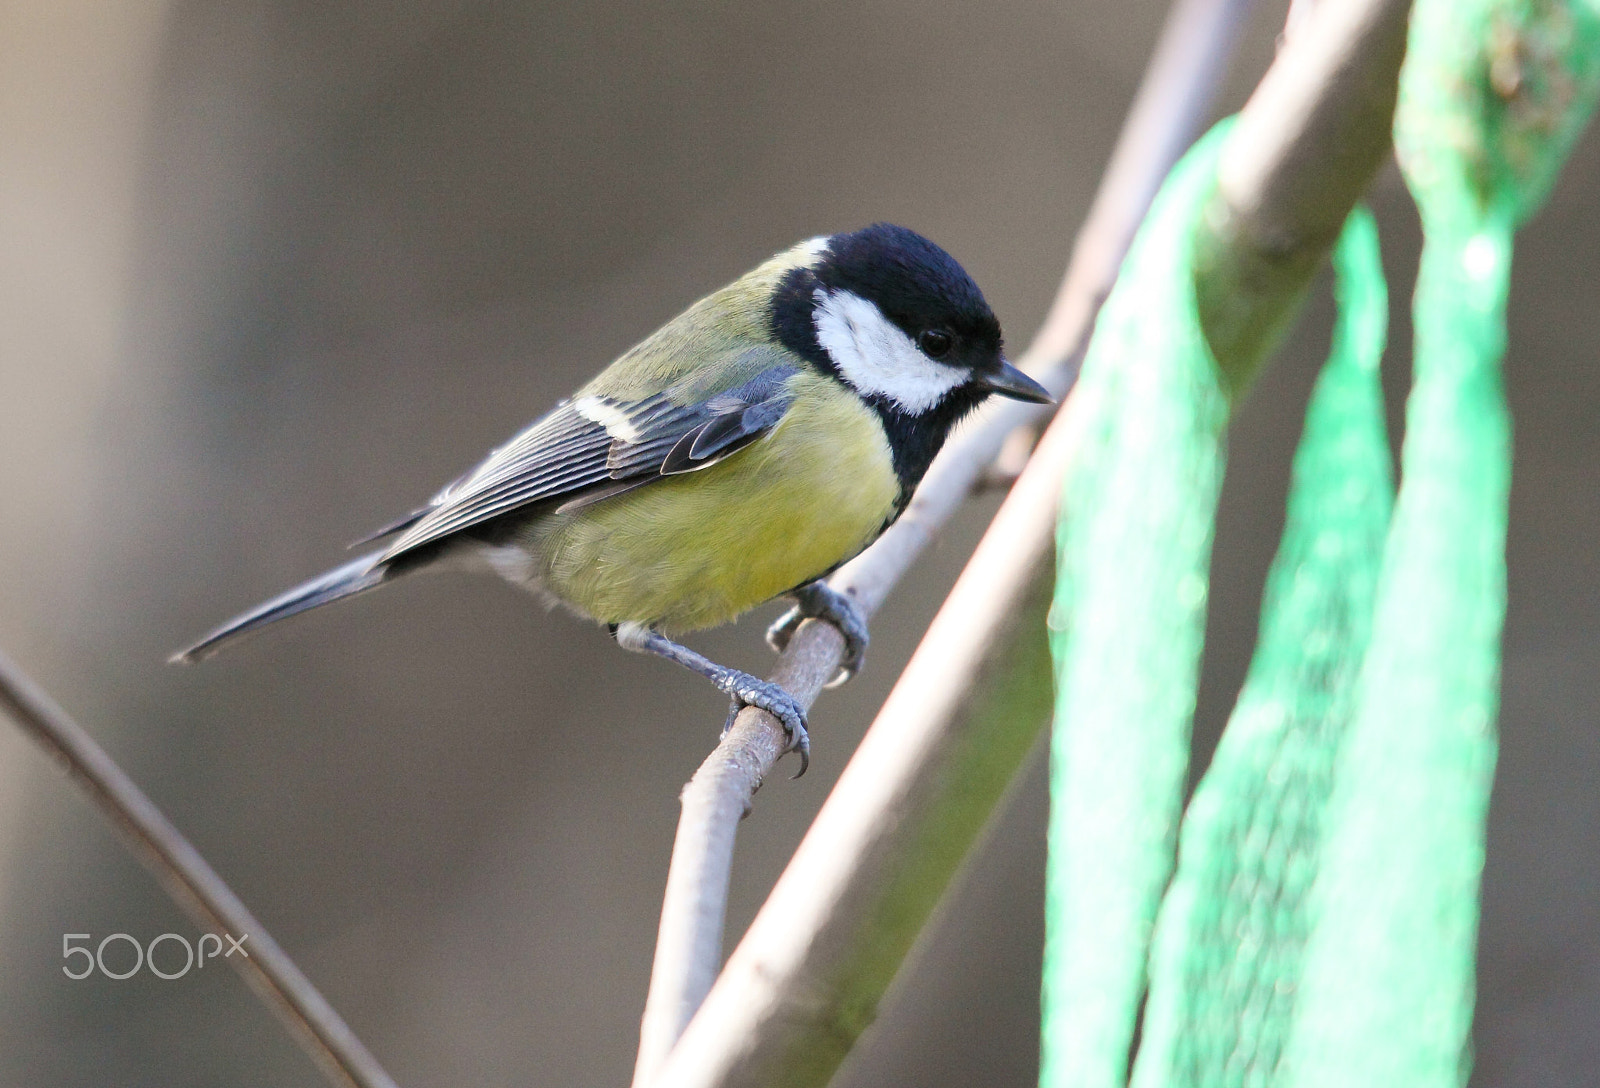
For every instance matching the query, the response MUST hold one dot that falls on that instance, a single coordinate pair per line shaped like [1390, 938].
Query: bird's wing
[596, 446]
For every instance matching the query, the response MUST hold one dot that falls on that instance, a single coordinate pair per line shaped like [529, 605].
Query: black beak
[1008, 381]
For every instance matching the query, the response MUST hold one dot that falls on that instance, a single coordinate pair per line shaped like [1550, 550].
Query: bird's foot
[747, 690]
[744, 689]
[820, 601]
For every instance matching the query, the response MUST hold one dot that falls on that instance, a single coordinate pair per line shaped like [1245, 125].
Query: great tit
[742, 452]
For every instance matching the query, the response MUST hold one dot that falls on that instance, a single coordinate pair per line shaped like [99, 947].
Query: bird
[742, 452]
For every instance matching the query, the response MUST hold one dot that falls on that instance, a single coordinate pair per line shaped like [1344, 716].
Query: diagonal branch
[193, 884]
[1303, 152]
[807, 976]
[1172, 104]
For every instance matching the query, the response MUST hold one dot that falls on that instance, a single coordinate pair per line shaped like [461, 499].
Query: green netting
[1492, 96]
[1320, 929]
[1127, 625]
[1226, 960]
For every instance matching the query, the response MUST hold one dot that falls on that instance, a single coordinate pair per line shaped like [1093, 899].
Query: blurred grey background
[271, 271]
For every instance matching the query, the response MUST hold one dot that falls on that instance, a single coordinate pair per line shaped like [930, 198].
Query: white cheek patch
[874, 356]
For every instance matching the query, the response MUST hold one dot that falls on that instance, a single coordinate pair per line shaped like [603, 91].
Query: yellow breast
[696, 550]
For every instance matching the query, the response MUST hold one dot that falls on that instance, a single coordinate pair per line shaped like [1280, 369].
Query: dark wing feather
[571, 454]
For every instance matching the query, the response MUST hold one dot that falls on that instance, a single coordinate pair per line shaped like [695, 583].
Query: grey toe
[747, 690]
[818, 600]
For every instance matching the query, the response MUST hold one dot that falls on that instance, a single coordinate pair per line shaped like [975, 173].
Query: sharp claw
[801, 744]
[794, 724]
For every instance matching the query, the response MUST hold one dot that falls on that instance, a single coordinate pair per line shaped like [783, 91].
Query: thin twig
[806, 978]
[193, 884]
[1172, 103]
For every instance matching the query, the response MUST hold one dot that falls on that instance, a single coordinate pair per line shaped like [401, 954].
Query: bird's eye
[935, 343]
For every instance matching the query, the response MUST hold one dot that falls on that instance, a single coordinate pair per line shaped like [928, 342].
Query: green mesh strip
[1320, 931]
[1127, 625]
[1386, 992]
[1233, 924]
[1492, 96]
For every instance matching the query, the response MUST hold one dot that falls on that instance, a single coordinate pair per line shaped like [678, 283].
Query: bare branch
[1305, 148]
[1171, 105]
[807, 976]
[193, 884]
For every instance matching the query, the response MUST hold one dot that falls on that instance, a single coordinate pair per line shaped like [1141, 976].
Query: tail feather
[354, 577]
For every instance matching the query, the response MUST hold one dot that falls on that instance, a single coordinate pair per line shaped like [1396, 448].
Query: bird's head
[895, 319]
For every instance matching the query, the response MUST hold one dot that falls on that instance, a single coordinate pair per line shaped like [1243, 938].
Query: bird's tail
[346, 581]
